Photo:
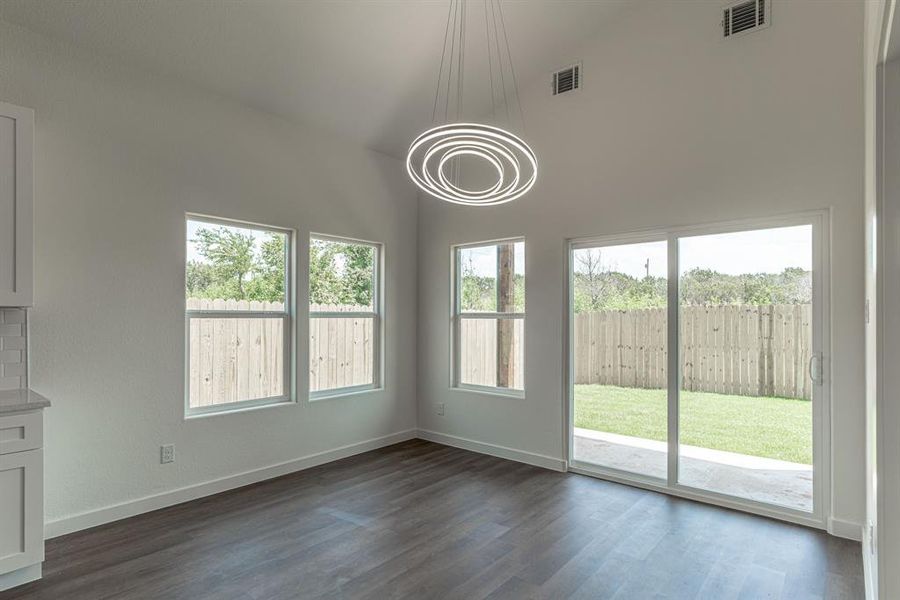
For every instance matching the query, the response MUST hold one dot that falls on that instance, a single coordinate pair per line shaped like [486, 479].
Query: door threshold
[688, 493]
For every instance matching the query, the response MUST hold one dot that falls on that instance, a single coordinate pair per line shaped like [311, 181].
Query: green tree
[199, 277]
[267, 282]
[601, 287]
[707, 287]
[323, 280]
[231, 255]
[478, 293]
[341, 273]
[358, 268]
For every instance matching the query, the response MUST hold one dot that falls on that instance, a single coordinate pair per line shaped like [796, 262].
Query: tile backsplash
[13, 349]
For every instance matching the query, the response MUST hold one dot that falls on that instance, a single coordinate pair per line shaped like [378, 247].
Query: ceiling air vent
[567, 80]
[745, 17]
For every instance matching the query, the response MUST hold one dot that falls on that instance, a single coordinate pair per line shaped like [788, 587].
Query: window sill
[489, 391]
[237, 407]
[344, 392]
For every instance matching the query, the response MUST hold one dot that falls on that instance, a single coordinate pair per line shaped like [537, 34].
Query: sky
[484, 259]
[631, 259]
[758, 251]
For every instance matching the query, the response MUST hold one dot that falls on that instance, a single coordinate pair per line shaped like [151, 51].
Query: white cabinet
[16, 220]
[21, 498]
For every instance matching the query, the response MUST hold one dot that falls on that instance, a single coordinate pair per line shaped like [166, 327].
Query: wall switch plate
[440, 408]
[167, 454]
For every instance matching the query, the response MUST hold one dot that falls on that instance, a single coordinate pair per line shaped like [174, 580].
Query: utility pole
[506, 258]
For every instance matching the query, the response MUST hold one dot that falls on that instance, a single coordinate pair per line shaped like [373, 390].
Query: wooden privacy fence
[748, 350]
[340, 349]
[234, 359]
[744, 350]
[478, 352]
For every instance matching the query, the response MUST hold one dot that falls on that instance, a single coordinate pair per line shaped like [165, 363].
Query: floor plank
[421, 520]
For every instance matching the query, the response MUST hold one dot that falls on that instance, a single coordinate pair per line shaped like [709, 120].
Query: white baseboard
[20, 577]
[108, 514]
[850, 530]
[530, 458]
[868, 576]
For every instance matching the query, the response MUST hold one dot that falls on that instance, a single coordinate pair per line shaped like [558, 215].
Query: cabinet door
[16, 227]
[21, 510]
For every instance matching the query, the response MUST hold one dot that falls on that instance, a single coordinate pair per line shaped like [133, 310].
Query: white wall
[120, 155]
[674, 126]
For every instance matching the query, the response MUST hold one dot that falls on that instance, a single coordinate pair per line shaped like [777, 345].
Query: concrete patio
[767, 480]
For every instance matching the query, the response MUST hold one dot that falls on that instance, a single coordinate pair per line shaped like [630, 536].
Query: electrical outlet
[440, 408]
[167, 454]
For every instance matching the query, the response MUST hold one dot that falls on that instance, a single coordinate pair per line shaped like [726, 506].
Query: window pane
[232, 360]
[341, 276]
[745, 417]
[619, 353]
[492, 352]
[234, 268]
[341, 352]
[492, 278]
[478, 284]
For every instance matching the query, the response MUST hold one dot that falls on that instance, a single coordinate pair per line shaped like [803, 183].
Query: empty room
[463, 299]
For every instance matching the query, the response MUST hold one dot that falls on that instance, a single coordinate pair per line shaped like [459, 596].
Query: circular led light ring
[473, 148]
[470, 151]
[442, 189]
[472, 197]
[435, 188]
[452, 143]
[458, 139]
[496, 146]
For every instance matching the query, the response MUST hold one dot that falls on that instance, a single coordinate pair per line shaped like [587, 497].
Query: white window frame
[287, 317]
[457, 315]
[375, 314]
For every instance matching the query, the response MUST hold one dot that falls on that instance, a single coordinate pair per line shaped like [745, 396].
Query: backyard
[770, 427]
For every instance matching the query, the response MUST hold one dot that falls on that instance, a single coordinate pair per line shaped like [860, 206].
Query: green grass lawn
[778, 428]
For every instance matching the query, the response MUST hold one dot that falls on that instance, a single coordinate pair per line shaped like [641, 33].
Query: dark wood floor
[420, 520]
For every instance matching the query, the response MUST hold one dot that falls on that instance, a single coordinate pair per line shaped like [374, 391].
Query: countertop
[12, 401]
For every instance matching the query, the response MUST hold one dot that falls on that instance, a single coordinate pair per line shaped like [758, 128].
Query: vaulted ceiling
[366, 69]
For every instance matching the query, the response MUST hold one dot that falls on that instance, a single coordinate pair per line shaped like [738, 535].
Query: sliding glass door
[619, 355]
[745, 418]
[695, 363]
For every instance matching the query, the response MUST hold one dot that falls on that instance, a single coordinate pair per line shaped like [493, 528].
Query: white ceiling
[366, 69]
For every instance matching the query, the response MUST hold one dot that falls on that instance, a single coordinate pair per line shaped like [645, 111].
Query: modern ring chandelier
[434, 158]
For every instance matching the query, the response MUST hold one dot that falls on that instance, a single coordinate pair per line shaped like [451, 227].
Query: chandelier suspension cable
[435, 158]
[459, 81]
[487, 36]
[512, 68]
[462, 59]
[450, 62]
[500, 59]
[437, 90]
[453, 59]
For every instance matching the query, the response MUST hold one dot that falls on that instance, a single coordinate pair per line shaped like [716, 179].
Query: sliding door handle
[815, 368]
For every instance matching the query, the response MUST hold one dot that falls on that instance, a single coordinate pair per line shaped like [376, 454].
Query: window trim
[377, 314]
[457, 315]
[287, 316]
